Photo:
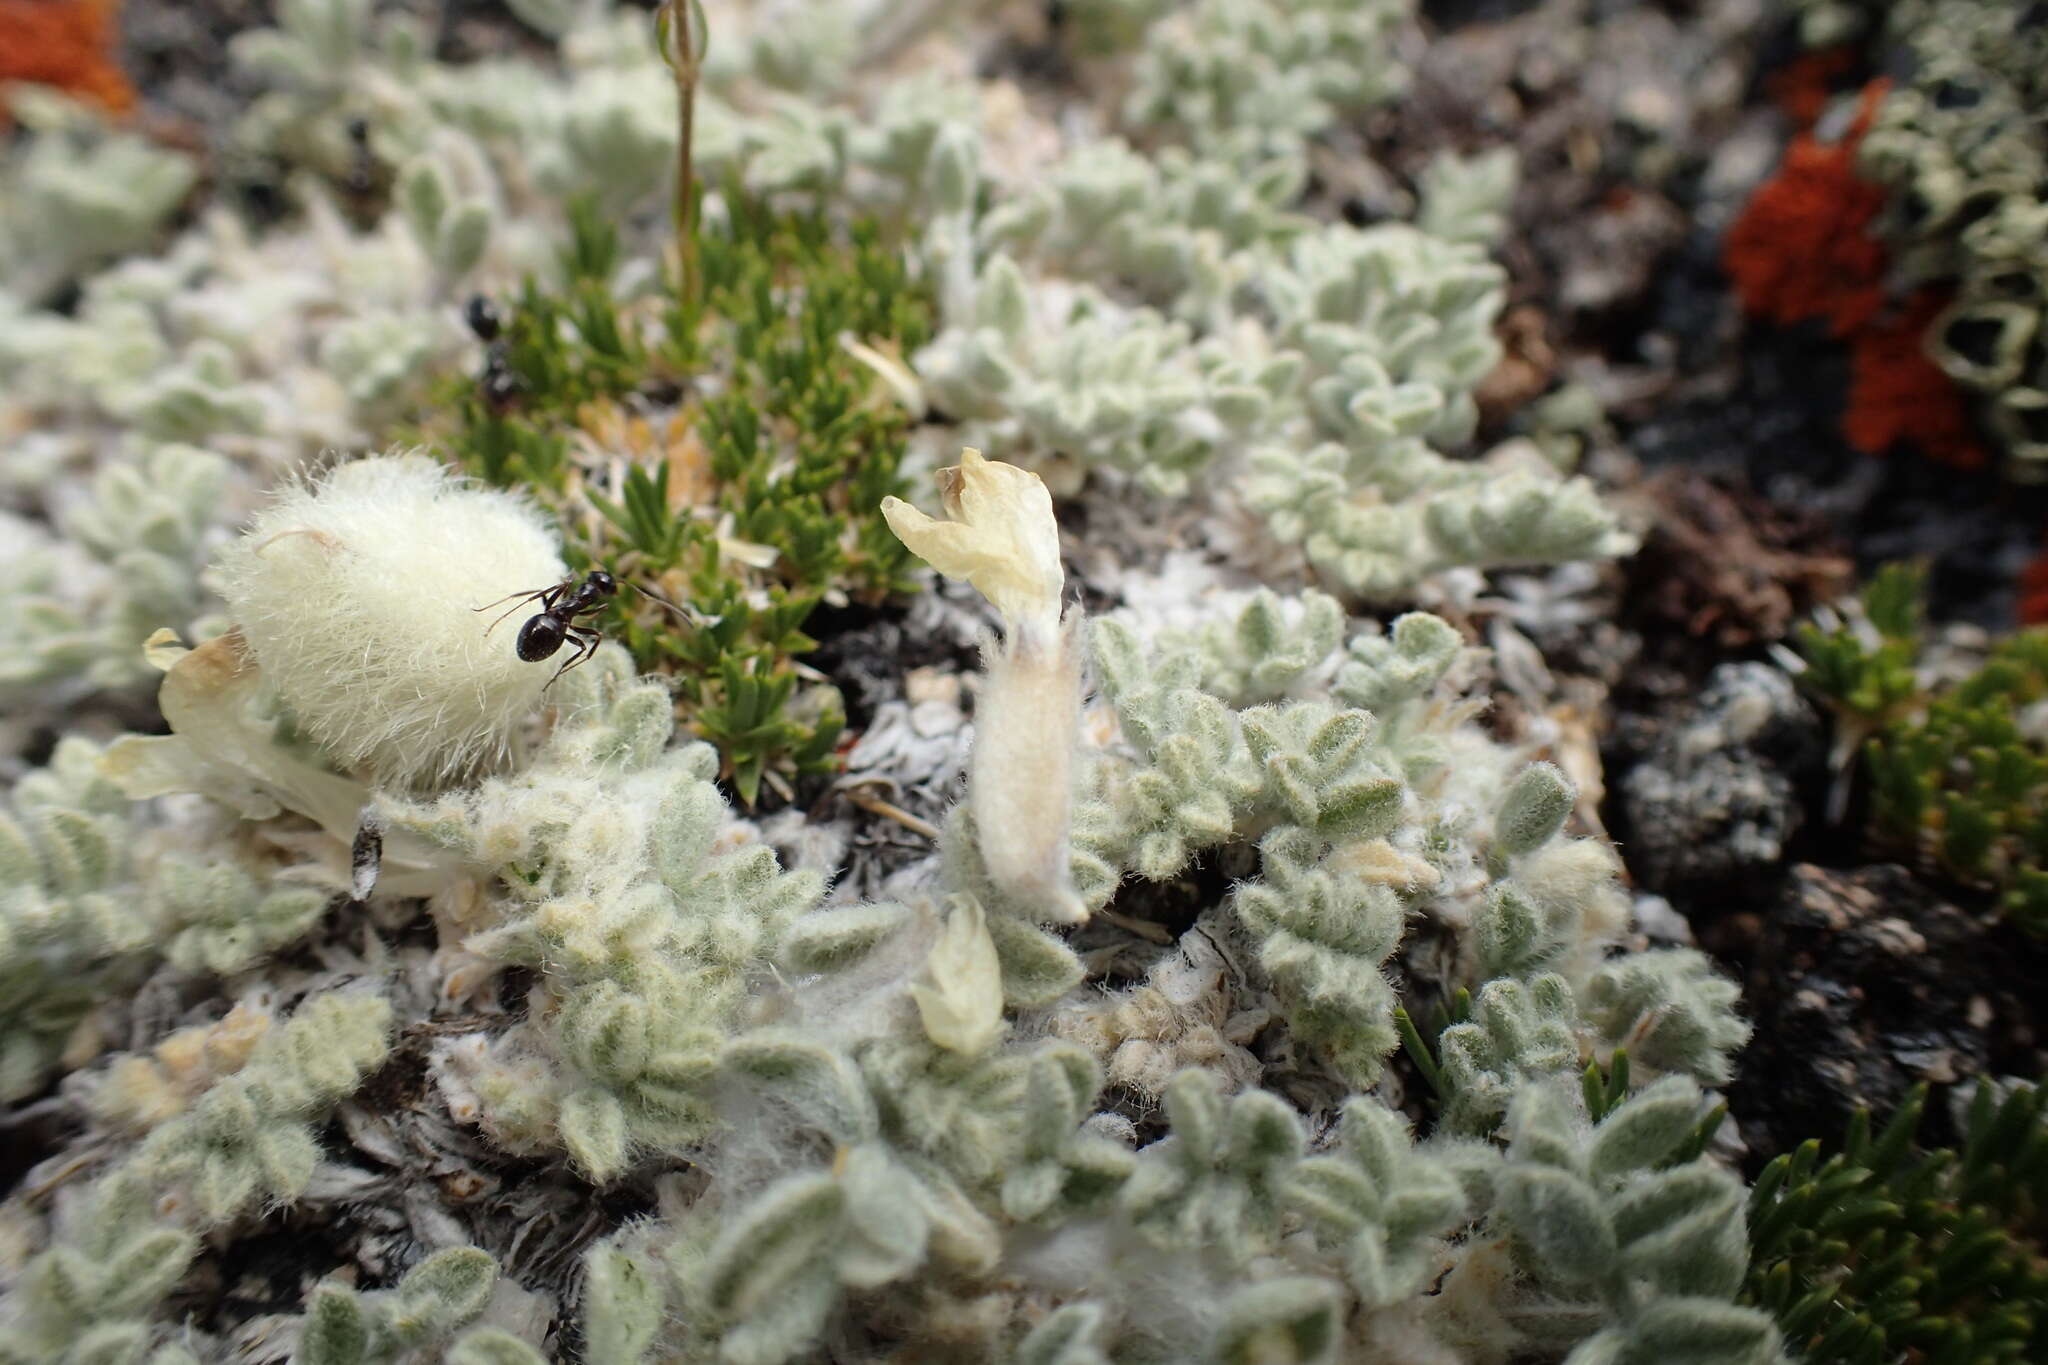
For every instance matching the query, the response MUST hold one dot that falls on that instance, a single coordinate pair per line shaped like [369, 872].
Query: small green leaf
[490, 1346]
[1038, 967]
[1365, 810]
[423, 192]
[1534, 809]
[771, 1243]
[145, 1270]
[1291, 1320]
[1560, 1218]
[622, 1305]
[337, 1330]
[593, 1124]
[463, 237]
[838, 937]
[110, 1343]
[1067, 1336]
[443, 1292]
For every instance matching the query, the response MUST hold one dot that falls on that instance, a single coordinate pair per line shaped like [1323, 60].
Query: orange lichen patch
[1802, 248]
[65, 43]
[1899, 396]
[1803, 87]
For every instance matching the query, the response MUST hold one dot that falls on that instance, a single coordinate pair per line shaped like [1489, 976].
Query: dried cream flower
[356, 596]
[1001, 537]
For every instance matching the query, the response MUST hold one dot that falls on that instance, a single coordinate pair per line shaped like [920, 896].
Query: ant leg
[587, 640]
[522, 596]
[510, 611]
[548, 597]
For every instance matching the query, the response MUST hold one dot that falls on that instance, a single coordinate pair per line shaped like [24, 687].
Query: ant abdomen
[540, 637]
[483, 317]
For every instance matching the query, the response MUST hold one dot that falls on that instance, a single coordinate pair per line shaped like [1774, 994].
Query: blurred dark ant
[555, 624]
[500, 387]
[363, 181]
[362, 170]
[498, 383]
[483, 318]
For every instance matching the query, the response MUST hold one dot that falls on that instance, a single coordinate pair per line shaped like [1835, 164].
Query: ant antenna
[558, 617]
[687, 615]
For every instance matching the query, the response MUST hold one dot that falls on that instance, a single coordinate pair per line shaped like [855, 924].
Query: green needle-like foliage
[1883, 1252]
[1868, 674]
[753, 494]
[1955, 775]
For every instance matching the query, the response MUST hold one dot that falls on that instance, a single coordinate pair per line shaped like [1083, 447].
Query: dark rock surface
[1866, 983]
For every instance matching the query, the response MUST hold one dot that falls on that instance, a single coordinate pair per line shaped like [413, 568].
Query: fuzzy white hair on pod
[357, 594]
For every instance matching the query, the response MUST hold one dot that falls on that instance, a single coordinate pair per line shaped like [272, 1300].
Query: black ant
[498, 383]
[364, 181]
[362, 168]
[482, 316]
[555, 624]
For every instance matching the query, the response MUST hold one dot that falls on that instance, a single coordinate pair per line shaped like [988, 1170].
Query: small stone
[1715, 799]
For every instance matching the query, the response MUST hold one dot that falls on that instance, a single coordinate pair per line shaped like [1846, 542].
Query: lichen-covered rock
[1717, 795]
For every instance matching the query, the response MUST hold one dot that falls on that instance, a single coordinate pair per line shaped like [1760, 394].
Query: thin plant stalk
[683, 35]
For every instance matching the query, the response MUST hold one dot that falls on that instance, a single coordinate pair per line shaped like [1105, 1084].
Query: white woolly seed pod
[357, 596]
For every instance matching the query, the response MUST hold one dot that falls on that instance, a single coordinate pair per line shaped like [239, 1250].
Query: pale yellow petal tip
[962, 1007]
[163, 649]
[1000, 535]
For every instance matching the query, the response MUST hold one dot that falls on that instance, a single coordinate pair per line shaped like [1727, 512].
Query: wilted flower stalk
[1000, 535]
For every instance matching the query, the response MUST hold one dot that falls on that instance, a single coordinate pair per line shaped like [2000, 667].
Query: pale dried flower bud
[961, 1003]
[1000, 536]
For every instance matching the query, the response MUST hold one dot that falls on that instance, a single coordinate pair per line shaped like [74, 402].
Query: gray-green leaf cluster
[247, 1139]
[80, 620]
[650, 935]
[1614, 1220]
